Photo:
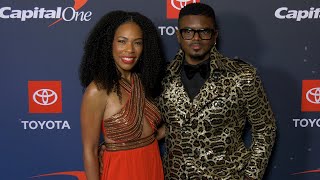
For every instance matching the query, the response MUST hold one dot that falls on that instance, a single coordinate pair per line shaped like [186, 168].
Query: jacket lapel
[211, 90]
[175, 71]
[213, 87]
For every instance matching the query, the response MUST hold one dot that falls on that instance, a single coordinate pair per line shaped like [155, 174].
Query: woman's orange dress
[132, 157]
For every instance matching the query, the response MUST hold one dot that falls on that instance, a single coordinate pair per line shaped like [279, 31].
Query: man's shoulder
[172, 67]
[169, 64]
[238, 65]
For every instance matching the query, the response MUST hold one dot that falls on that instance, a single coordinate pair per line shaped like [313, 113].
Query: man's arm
[262, 120]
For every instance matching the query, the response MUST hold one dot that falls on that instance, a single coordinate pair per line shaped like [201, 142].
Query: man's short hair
[198, 9]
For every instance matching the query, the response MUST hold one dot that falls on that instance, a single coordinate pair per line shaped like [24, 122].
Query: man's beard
[199, 57]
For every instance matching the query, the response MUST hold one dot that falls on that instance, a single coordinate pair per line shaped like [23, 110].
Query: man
[207, 99]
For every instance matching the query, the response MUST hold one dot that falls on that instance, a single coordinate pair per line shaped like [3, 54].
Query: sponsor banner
[310, 100]
[167, 30]
[45, 96]
[45, 125]
[306, 122]
[297, 15]
[174, 7]
[58, 13]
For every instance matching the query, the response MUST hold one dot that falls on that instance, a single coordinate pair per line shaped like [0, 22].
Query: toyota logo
[313, 95]
[45, 97]
[182, 3]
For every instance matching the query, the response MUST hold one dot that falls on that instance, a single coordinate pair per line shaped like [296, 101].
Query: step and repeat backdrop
[41, 48]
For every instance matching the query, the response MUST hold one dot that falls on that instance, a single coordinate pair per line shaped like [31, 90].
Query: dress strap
[127, 125]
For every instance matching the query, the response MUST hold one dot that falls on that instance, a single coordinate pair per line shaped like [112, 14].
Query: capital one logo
[45, 96]
[174, 7]
[310, 95]
[58, 13]
[297, 15]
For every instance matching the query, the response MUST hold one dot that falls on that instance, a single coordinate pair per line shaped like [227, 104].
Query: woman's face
[127, 46]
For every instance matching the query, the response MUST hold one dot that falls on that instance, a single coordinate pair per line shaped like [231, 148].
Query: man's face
[196, 49]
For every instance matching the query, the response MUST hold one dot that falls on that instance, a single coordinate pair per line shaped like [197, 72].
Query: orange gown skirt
[142, 163]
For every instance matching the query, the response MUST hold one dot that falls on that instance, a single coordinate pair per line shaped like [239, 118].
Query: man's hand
[102, 148]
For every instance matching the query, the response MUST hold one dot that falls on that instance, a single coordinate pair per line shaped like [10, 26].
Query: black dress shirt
[194, 84]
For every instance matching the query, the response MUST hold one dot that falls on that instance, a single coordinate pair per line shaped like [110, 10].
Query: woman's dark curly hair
[98, 63]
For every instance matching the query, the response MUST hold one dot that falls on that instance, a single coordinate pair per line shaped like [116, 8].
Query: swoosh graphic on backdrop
[78, 174]
[77, 5]
[307, 172]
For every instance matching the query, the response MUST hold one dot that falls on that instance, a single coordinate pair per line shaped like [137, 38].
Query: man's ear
[215, 36]
[178, 35]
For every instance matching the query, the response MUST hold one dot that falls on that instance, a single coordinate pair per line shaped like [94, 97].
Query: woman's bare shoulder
[95, 94]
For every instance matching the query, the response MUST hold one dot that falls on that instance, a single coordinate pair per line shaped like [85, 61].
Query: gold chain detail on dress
[126, 126]
[130, 144]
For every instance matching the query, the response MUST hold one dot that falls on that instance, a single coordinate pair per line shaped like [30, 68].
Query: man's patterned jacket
[204, 137]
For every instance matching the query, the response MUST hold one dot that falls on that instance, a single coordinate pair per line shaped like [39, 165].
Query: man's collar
[215, 61]
[203, 68]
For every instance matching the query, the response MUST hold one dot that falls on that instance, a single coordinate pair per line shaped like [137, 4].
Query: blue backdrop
[41, 48]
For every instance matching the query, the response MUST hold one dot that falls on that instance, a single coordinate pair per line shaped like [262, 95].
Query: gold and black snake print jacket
[204, 136]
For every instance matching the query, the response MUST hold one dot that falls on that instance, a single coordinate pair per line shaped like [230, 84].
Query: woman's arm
[92, 110]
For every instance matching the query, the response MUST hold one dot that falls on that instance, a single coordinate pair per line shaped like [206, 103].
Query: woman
[121, 72]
